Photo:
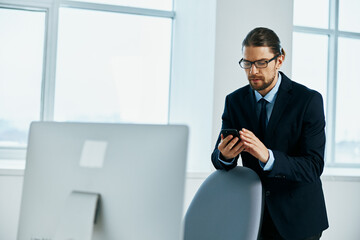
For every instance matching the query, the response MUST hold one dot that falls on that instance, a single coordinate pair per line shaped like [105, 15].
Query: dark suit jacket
[295, 133]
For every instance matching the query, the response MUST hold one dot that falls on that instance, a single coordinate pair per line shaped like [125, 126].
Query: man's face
[262, 79]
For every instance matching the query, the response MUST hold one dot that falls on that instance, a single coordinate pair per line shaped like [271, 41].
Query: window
[348, 19]
[21, 72]
[347, 134]
[95, 60]
[309, 13]
[112, 67]
[154, 4]
[326, 47]
[309, 70]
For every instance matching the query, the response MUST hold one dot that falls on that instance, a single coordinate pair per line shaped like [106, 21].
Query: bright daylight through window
[117, 70]
[326, 46]
[88, 61]
[21, 69]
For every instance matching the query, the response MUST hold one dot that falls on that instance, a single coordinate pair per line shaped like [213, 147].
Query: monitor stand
[78, 217]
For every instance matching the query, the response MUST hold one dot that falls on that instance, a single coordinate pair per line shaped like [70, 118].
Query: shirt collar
[270, 96]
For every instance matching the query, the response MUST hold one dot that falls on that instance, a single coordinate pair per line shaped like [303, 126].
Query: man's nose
[253, 68]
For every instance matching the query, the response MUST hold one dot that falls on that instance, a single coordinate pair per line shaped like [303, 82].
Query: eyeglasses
[258, 64]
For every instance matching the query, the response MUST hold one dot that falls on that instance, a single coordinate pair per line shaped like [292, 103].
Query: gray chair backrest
[228, 205]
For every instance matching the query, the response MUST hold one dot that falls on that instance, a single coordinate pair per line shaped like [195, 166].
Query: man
[281, 125]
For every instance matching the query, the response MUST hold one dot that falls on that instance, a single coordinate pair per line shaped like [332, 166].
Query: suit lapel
[281, 102]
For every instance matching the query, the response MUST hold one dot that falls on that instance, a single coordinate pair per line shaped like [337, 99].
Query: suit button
[267, 193]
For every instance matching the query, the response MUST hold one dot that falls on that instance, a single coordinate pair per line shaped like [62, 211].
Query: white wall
[193, 75]
[342, 197]
[234, 19]
[206, 50]
[10, 198]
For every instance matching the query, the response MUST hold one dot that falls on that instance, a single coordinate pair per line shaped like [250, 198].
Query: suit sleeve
[226, 123]
[308, 163]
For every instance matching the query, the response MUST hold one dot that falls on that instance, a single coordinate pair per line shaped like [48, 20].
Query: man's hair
[263, 37]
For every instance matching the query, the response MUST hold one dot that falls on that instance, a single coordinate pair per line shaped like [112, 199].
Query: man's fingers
[230, 147]
[248, 136]
[232, 143]
[246, 133]
[227, 139]
[240, 149]
[225, 143]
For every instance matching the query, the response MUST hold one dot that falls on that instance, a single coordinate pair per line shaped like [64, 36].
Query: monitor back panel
[139, 171]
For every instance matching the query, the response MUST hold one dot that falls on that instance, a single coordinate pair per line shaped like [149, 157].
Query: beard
[265, 82]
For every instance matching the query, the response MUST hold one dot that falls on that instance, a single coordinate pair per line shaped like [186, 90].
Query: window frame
[51, 9]
[333, 34]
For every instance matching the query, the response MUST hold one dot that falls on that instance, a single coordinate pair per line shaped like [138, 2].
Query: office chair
[228, 205]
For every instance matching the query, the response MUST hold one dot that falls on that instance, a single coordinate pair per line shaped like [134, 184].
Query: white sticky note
[93, 154]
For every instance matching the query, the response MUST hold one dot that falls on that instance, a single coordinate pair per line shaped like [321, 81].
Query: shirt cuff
[225, 163]
[270, 163]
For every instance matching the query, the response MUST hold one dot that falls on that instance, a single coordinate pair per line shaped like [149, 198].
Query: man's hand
[228, 147]
[254, 146]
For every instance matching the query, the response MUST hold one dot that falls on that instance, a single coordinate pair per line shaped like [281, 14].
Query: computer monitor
[129, 179]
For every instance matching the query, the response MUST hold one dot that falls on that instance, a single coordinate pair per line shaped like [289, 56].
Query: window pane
[153, 4]
[21, 61]
[347, 135]
[349, 17]
[112, 67]
[310, 57]
[310, 13]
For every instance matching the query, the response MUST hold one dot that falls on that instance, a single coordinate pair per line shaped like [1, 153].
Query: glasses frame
[251, 63]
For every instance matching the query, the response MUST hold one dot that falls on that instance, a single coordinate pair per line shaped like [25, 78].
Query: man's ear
[280, 61]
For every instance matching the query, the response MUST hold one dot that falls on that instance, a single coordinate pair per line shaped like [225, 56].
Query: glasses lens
[245, 64]
[261, 64]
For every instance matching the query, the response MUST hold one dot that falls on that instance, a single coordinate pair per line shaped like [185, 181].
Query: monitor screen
[103, 181]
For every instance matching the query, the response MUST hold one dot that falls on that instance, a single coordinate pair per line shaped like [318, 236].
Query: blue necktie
[262, 119]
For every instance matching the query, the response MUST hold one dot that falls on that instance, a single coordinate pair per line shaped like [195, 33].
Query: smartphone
[233, 132]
